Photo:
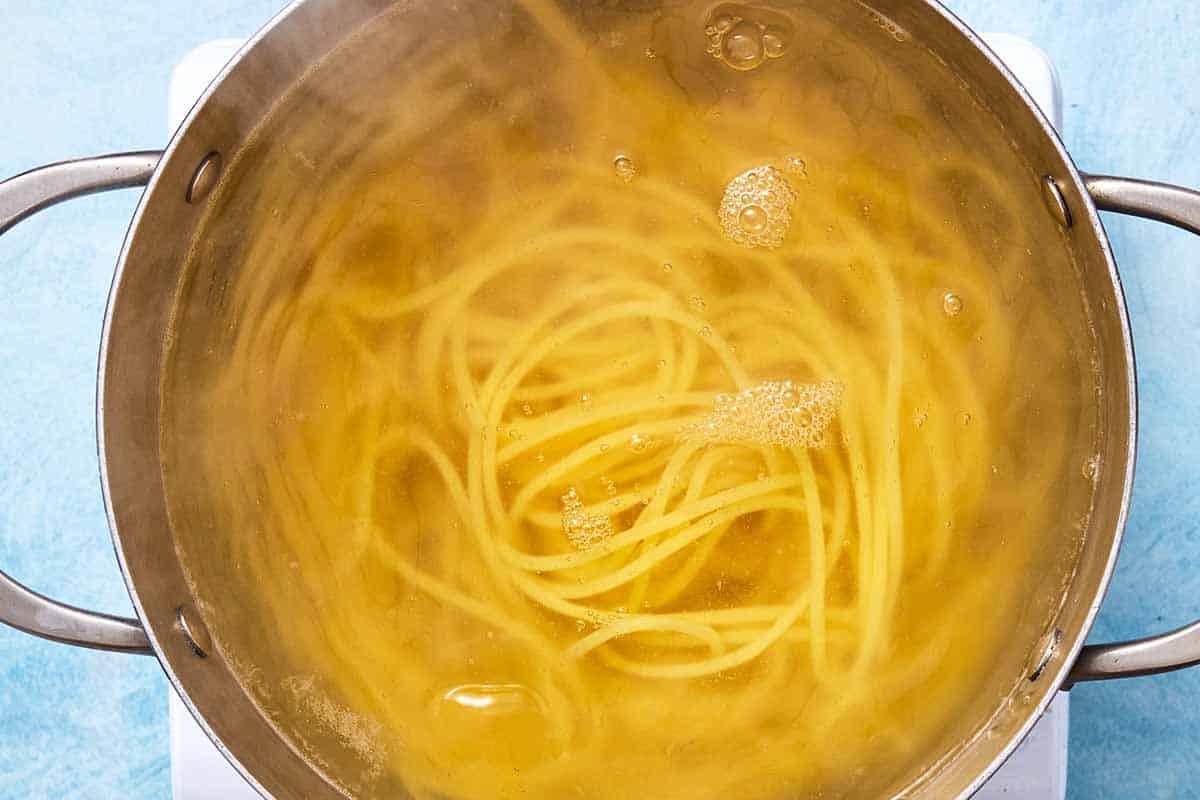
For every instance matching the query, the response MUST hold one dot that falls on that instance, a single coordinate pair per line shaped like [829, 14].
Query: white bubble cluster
[756, 209]
[584, 530]
[772, 414]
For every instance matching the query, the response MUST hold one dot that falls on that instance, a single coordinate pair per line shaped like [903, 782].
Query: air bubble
[527, 409]
[625, 168]
[952, 304]
[1091, 468]
[540, 458]
[723, 23]
[755, 209]
[698, 303]
[667, 267]
[706, 330]
[965, 419]
[649, 52]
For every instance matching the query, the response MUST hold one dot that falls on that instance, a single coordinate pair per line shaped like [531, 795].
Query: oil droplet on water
[625, 168]
[756, 208]
[489, 698]
[952, 304]
[511, 717]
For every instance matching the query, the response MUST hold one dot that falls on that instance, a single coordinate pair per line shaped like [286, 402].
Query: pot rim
[173, 146]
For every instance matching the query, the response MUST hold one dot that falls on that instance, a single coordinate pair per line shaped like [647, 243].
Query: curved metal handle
[20, 197]
[1179, 648]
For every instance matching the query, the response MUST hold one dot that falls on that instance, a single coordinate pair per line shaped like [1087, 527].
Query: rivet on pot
[1046, 648]
[1055, 202]
[195, 632]
[204, 178]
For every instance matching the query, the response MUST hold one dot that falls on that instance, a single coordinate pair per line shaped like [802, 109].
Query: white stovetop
[1037, 771]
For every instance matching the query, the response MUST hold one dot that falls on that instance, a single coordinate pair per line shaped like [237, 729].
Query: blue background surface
[81, 77]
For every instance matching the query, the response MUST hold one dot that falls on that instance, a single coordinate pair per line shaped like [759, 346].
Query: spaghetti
[695, 506]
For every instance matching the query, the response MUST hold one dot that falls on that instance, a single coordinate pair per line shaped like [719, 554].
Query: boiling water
[672, 402]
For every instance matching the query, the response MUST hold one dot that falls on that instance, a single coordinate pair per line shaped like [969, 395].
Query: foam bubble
[582, 529]
[774, 42]
[756, 209]
[742, 48]
[773, 413]
[742, 42]
[625, 168]
[793, 164]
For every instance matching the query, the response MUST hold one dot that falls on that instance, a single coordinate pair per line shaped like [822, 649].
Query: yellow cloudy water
[674, 403]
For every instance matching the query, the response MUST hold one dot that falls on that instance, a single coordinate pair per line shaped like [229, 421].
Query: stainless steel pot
[178, 181]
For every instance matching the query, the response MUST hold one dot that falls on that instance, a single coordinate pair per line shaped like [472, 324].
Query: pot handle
[21, 197]
[1178, 648]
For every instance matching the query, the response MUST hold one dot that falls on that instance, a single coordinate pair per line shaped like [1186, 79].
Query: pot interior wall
[335, 125]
